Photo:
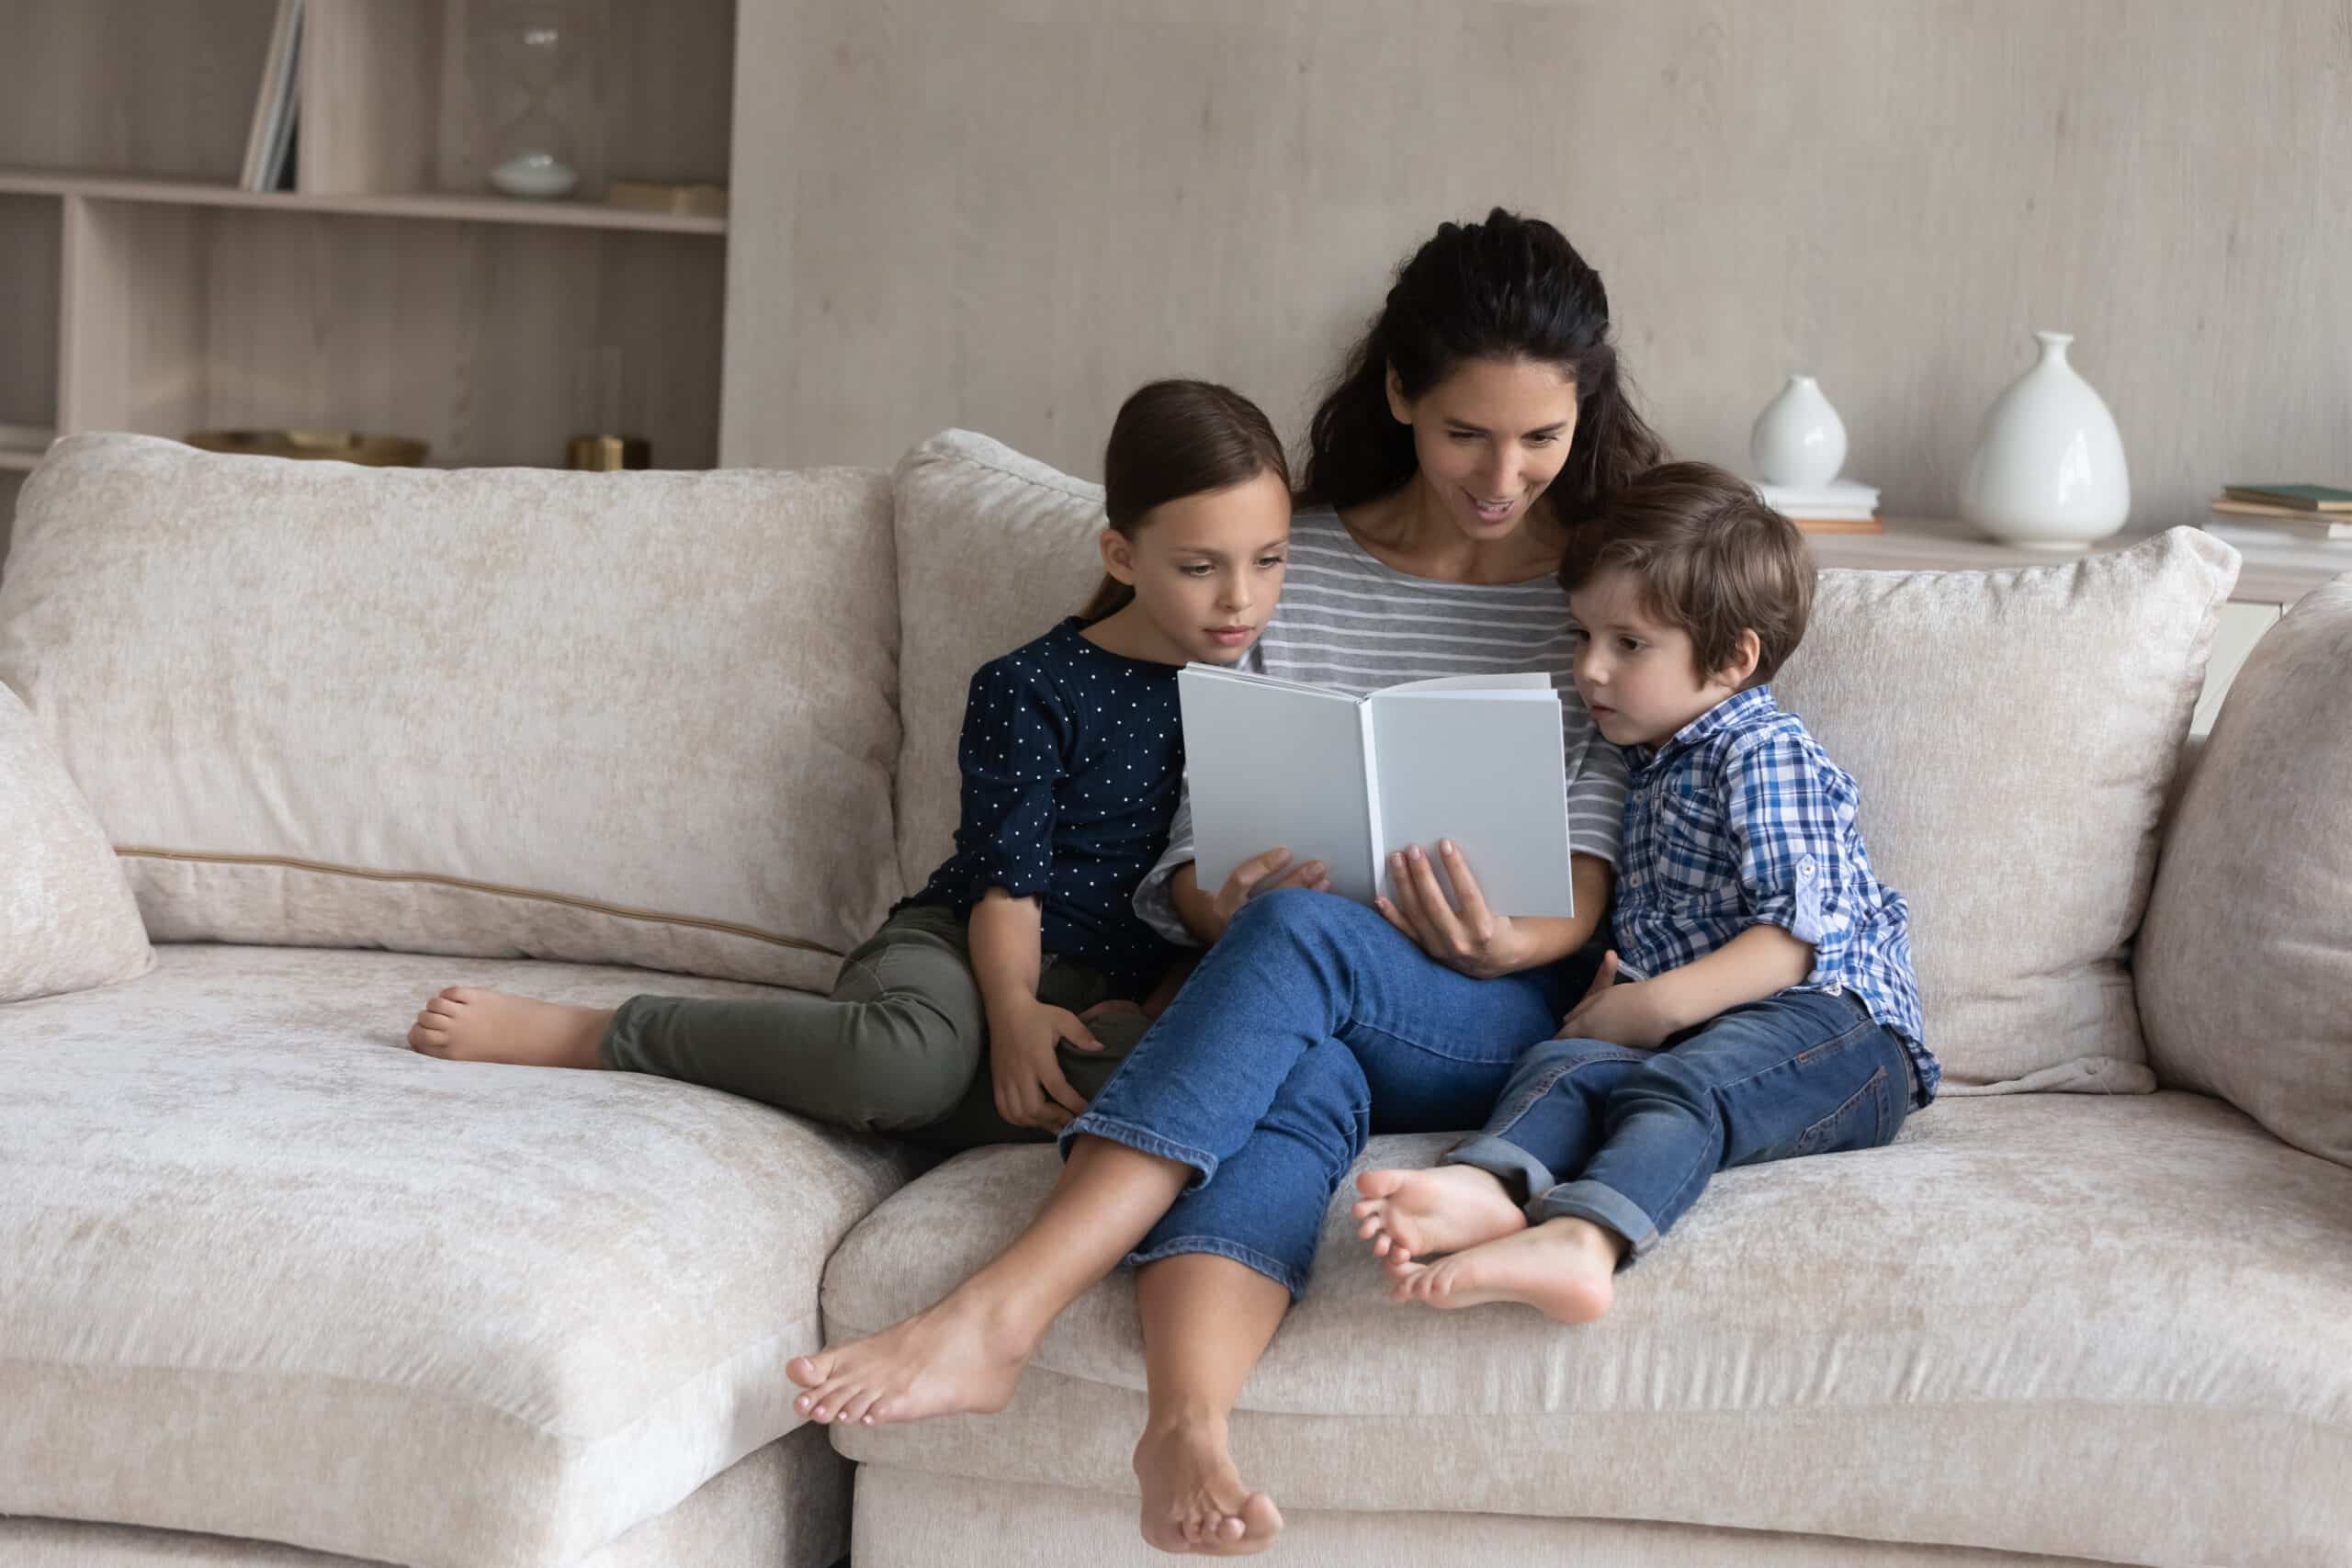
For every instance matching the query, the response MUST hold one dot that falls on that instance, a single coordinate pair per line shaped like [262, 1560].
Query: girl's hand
[1474, 940]
[1029, 1089]
[1244, 883]
[1619, 1014]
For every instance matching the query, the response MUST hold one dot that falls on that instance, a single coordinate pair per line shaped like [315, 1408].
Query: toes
[805, 1370]
[1380, 1183]
[856, 1409]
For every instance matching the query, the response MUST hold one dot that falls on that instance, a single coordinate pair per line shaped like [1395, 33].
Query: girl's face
[1206, 570]
[1490, 437]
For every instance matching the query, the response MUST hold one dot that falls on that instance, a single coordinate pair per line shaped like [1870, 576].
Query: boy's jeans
[1628, 1138]
[1308, 1022]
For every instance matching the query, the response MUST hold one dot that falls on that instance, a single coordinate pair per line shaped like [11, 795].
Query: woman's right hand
[1252, 876]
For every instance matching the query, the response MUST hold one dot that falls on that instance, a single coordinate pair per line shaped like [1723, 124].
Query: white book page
[1272, 763]
[1487, 769]
[1527, 680]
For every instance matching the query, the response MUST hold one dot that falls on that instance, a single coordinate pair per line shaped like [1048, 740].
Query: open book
[1477, 758]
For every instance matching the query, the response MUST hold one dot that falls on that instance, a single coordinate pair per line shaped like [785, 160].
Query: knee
[1664, 1082]
[1300, 919]
[915, 1067]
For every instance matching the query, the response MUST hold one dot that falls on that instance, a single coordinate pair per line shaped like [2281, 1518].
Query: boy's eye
[1578, 636]
[1629, 645]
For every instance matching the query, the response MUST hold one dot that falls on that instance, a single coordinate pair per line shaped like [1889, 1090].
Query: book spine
[1372, 800]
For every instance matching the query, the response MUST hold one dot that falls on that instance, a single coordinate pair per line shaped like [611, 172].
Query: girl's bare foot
[1411, 1213]
[955, 1358]
[466, 1023]
[1566, 1268]
[1194, 1500]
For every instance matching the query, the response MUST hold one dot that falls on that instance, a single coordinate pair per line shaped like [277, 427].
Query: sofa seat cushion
[2116, 1328]
[270, 1274]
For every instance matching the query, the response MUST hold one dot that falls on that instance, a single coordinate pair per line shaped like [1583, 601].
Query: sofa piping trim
[466, 885]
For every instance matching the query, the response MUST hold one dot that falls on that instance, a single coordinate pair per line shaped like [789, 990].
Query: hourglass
[536, 46]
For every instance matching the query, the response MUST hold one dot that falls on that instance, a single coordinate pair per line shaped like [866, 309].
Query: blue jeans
[1628, 1138]
[1310, 1025]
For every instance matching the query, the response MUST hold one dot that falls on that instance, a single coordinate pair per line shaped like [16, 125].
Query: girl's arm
[1024, 1033]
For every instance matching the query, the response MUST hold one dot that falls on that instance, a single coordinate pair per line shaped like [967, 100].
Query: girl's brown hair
[1174, 439]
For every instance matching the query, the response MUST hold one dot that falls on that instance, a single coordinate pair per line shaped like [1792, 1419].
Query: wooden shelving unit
[392, 291]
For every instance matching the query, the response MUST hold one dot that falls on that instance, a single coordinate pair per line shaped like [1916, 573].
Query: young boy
[1762, 1004]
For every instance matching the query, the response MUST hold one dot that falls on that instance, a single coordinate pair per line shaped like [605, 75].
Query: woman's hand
[1264, 873]
[1031, 1090]
[1622, 1015]
[1474, 940]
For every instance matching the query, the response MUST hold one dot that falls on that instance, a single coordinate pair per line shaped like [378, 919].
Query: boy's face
[1638, 674]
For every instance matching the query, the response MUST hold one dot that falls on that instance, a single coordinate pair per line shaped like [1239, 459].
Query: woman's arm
[1206, 915]
[1474, 939]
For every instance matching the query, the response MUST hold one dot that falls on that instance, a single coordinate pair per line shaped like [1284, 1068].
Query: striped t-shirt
[1347, 621]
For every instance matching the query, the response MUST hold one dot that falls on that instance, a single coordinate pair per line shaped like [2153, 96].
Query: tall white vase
[2048, 470]
[1798, 439]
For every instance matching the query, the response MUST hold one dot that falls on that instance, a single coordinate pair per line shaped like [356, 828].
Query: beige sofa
[274, 1289]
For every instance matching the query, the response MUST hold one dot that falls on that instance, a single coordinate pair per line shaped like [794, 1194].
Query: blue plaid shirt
[1742, 820]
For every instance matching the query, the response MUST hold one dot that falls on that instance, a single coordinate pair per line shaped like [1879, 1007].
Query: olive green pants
[900, 1046]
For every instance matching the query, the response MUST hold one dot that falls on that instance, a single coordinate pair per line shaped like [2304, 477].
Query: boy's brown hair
[1711, 558]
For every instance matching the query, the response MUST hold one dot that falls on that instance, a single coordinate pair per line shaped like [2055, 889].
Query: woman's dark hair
[1511, 287]
[1174, 439]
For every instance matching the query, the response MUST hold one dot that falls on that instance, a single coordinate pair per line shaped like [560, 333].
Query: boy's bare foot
[1194, 1500]
[953, 1358]
[1566, 1268]
[1411, 1213]
[466, 1023]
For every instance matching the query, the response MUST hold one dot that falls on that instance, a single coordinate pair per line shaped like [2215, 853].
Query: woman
[1474, 426]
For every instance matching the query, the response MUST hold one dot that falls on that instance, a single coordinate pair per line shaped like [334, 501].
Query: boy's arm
[1760, 962]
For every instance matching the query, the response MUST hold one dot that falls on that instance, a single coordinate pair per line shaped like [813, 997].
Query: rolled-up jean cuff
[1143, 1141]
[1604, 1206]
[1521, 1174]
[1281, 1273]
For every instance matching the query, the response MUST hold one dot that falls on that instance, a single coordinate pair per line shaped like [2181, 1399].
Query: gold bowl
[341, 445]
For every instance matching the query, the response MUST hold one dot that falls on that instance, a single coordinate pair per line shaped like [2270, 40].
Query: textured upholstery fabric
[273, 1275]
[910, 1520]
[785, 1507]
[639, 719]
[2245, 967]
[2110, 1328]
[2014, 734]
[67, 921]
[993, 548]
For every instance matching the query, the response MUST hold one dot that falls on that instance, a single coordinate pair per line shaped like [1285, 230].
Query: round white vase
[2048, 470]
[1798, 439]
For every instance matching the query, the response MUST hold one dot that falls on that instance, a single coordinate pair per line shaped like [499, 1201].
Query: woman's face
[1489, 437]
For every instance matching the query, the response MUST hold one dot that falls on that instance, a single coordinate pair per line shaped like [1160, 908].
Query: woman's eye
[1542, 440]
[1461, 435]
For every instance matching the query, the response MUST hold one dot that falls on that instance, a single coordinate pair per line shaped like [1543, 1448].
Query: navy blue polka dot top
[1073, 758]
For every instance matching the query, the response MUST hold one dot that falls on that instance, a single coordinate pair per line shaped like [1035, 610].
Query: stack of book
[1841, 506]
[2269, 514]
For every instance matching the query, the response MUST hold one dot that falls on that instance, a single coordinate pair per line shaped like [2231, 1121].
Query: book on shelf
[269, 138]
[1841, 506]
[1478, 759]
[2295, 497]
[2311, 527]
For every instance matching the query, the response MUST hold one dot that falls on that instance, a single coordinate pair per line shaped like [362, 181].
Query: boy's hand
[1622, 1015]
[1029, 1089]
[1474, 941]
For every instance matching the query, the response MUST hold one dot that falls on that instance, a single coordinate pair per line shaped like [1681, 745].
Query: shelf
[426, 205]
[2265, 576]
[12, 461]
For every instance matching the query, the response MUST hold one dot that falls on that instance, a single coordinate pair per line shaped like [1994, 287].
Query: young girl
[1073, 758]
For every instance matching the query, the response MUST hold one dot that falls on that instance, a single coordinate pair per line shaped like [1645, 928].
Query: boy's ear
[1118, 554]
[1400, 407]
[1745, 655]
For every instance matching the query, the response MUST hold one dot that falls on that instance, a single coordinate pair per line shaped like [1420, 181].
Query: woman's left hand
[1473, 940]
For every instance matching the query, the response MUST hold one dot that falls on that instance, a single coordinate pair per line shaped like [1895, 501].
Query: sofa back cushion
[639, 719]
[993, 548]
[2245, 969]
[67, 922]
[2014, 734]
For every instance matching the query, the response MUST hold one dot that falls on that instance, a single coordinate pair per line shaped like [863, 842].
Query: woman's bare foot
[466, 1023]
[1194, 1500]
[1411, 1213]
[1566, 1268]
[955, 1358]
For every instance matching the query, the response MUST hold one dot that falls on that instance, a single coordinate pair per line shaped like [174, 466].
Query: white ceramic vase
[2048, 470]
[1798, 440]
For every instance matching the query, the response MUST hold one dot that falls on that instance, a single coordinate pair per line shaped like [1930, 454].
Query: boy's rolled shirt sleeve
[1011, 754]
[1787, 822]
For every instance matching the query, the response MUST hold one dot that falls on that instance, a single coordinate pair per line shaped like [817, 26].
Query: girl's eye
[1197, 568]
[1269, 562]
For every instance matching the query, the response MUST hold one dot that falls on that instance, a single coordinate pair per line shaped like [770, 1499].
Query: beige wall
[1004, 215]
